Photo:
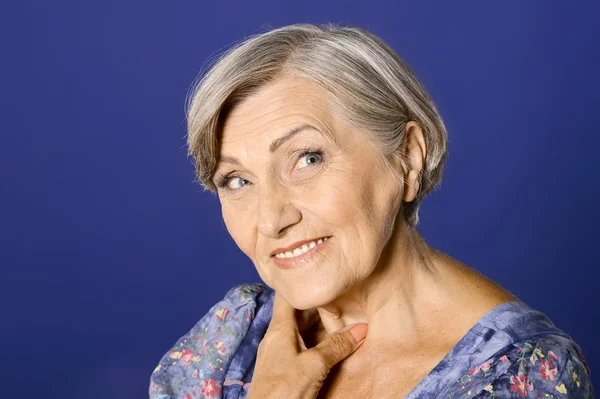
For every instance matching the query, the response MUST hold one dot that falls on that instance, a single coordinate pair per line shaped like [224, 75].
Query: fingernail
[359, 331]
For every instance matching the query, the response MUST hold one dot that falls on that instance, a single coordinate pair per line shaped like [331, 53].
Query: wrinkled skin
[277, 199]
[417, 301]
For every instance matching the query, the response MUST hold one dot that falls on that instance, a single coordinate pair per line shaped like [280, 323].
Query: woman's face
[278, 192]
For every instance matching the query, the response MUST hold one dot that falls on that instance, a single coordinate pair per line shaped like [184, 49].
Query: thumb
[341, 344]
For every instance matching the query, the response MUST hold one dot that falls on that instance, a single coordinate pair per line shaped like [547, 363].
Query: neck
[399, 299]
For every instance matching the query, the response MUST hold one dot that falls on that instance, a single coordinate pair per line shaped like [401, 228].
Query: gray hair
[370, 84]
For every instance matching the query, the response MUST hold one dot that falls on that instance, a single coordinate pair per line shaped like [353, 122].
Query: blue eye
[311, 157]
[235, 179]
[306, 158]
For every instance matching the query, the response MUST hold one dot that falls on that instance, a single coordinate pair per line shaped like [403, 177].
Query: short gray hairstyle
[372, 87]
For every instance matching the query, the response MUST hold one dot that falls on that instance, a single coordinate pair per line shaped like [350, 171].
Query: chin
[305, 299]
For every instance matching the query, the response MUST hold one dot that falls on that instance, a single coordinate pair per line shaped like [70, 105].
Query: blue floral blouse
[512, 352]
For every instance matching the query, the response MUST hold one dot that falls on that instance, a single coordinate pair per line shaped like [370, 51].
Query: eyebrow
[279, 142]
[275, 144]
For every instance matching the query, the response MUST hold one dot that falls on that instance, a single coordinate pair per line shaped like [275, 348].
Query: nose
[276, 210]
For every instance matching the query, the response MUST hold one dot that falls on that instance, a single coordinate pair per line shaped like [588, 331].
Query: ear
[415, 152]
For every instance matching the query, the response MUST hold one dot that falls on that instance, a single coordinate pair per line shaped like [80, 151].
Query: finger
[301, 344]
[283, 312]
[329, 322]
[284, 324]
[341, 344]
[283, 321]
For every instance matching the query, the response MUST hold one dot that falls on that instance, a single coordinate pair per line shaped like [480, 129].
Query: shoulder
[198, 361]
[551, 366]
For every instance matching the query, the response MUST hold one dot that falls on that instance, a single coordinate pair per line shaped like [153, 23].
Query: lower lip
[297, 261]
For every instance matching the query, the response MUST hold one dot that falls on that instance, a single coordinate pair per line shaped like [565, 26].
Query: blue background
[109, 251]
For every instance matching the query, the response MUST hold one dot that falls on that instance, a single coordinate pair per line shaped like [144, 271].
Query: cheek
[237, 220]
[350, 200]
[362, 202]
[240, 223]
[344, 208]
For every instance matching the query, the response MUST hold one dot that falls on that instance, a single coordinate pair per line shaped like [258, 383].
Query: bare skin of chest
[395, 385]
[388, 375]
[393, 370]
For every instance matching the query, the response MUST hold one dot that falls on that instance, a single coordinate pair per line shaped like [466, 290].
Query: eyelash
[223, 181]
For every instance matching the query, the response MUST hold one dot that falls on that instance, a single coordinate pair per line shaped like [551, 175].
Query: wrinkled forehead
[272, 110]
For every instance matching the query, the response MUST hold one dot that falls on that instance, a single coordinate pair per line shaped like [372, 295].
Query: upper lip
[295, 245]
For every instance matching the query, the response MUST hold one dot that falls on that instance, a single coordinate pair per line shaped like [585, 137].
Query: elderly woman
[321, 145]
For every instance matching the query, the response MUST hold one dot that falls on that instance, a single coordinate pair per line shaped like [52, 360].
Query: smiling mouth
[300, 250]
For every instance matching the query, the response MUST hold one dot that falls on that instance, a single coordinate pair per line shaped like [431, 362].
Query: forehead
[274, 109]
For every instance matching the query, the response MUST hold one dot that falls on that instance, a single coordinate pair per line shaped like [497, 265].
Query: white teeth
[300, 250]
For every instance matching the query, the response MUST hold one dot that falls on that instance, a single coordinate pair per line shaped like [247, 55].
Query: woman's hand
[285, 368]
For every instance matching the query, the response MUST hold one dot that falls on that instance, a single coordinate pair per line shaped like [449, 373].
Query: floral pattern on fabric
[513, 351]
[540, 369]
[196, 365]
